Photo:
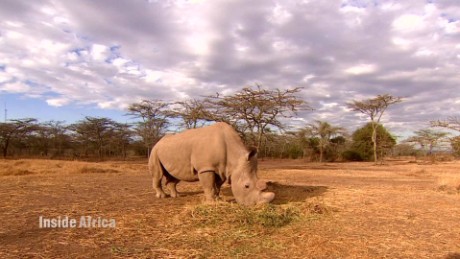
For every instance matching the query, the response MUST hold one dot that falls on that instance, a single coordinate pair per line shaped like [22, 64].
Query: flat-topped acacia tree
[427, 138]
[154, 115]
[452, 123]
[253, 110]
[374, 108]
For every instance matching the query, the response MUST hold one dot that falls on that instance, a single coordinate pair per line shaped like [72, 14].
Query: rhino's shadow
[285, 193]
[288, 193]
[189, 193]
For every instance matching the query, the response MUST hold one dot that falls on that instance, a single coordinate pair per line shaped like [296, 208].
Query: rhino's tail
[156, 170]
[154, 163]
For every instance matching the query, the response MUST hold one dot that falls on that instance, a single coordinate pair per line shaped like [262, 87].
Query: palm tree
[324, 132]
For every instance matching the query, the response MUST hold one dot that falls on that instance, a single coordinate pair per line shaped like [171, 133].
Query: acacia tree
[15, 130]
[374, 108]
[452, 123]
[51, 135]
[154, 116]
[252, 111]
[427, 138]
[324, 132]
[61, 138]
[287, 145]
[192, 112]
[121, 137]
[95, 132]
[455, 144]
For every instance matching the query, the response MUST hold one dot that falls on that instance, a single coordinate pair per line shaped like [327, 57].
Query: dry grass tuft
[89, 169]
[449, 186]
[16, 171]
[419, 173]
[230, 230]
[233, 214]
[449, 182]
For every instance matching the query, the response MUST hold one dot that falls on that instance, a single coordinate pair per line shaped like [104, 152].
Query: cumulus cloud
[57, 102]
[108, 54]
[361, 69]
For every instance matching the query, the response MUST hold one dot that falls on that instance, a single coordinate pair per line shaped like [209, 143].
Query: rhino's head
[246, 187]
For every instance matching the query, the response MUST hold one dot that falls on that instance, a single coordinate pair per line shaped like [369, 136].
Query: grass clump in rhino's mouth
[268, 216]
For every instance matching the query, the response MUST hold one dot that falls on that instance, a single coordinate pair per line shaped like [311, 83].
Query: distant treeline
[103, 138]
[255, 113]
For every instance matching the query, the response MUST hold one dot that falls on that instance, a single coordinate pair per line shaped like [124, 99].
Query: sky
[64, 60]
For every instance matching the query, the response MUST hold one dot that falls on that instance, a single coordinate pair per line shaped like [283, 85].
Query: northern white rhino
[212, 155]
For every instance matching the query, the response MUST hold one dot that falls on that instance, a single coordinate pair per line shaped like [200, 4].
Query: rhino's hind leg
[156, 169]
[157, 186]
[172, 183]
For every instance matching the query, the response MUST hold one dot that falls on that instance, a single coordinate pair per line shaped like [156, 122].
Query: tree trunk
[321, 151]
[5, 148]
[374, 140]
[259, 140]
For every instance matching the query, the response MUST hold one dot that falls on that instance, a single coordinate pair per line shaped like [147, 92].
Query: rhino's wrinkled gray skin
[212, 155]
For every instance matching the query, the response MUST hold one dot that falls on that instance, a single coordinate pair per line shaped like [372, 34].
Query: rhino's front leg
[208, 181]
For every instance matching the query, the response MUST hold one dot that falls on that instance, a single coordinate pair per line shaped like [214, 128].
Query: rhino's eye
[246, 186]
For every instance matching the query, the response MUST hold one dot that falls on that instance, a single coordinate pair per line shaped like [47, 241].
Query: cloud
[57, 102]
[108, 54]
[14, 87]
[408, 23]
[361, 69]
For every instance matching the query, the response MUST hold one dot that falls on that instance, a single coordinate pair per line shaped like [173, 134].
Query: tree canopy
[374, 108]
[363, 145]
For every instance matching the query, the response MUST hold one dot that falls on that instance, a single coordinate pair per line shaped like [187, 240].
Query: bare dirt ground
[334, 210]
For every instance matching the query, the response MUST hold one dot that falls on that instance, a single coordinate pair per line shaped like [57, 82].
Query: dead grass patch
[37, 166]
[449, 183]
[268, 216]
[230, 230]
[343, 210]
[95, 170]
[417, 172]
[18, 172]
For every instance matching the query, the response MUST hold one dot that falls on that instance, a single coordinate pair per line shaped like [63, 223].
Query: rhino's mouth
[266, 197]
[253, 197]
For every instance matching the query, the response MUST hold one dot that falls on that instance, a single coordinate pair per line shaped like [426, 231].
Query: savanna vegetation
[259, 115]
[403, 208]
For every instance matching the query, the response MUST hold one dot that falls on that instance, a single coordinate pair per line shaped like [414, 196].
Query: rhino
[211, 155]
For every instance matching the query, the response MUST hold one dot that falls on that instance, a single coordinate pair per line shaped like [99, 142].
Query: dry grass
[343, 210]
[449, 181]
[38, 166]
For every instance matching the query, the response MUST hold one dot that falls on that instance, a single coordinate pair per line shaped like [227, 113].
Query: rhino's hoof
[175, 195]
[161, 195]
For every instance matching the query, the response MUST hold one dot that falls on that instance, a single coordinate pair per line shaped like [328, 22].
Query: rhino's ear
[252, 153]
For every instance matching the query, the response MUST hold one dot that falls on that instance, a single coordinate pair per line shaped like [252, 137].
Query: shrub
[351, 155]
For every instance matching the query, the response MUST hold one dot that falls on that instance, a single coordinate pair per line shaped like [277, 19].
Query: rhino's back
[205, 149]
